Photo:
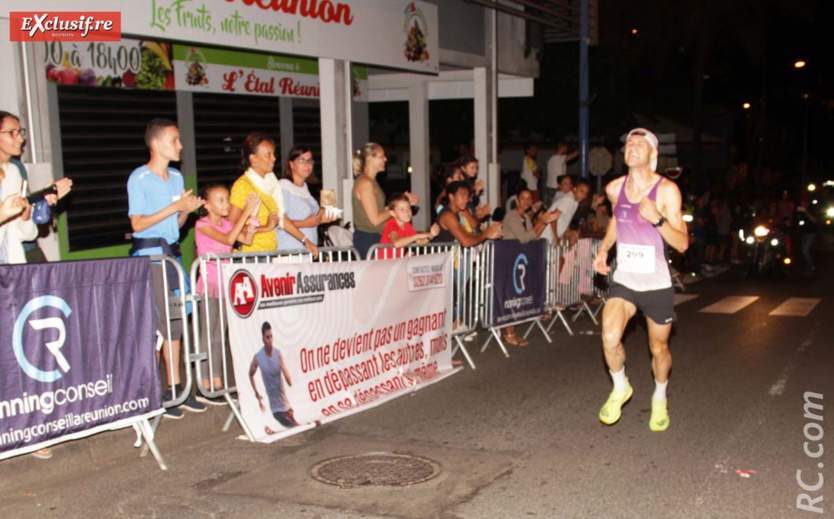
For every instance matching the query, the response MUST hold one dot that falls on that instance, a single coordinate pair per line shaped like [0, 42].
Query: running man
[647, 213]
[272, 367]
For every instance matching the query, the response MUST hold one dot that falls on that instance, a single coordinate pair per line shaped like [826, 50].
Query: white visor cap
[651, 138]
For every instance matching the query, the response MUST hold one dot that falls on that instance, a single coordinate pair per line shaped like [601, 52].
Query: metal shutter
[102, 140]
[221, 122]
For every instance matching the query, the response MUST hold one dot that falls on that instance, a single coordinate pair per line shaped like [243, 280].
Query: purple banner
[519, 281]
[77, 350]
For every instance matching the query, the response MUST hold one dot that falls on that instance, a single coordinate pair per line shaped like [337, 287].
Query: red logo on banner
[243, 293]
[65, 26]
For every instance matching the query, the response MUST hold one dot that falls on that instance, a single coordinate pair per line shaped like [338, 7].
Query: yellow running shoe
[660, 416]
[610, 412]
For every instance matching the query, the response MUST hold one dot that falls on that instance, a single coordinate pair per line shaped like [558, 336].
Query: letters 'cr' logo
[54, 347]
[243, 293]
[519, 271]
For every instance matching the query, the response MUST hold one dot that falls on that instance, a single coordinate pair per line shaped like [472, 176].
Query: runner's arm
[674, 230]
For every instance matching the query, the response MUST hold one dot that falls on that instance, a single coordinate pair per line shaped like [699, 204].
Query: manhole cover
[375, 469]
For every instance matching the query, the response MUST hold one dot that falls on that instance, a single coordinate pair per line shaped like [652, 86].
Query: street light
[799, 64]
[746, 106]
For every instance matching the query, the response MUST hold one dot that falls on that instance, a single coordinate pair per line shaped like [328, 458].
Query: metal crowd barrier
[175, 308]
[487, 256]
[209, 318]
[387, 251]
[465, 293]
[575, 285]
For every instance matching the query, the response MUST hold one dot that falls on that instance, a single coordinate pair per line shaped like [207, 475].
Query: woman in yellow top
[368, 200]
[258, 162]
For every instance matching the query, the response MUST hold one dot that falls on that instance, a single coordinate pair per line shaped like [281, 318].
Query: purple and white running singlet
[641, 252]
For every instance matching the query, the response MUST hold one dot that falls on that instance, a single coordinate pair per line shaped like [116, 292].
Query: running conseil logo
[65, 26]
[53, 347]
[243, 293]
[519, 273]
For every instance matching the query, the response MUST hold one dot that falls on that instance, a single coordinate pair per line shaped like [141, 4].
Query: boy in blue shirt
[158, 206]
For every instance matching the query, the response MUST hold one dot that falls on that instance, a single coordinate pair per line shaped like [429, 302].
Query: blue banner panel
[77, 350]
[519, 282]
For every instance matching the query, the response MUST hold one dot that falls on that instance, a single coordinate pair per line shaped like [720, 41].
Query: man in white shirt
[568, 205]
[556, 168]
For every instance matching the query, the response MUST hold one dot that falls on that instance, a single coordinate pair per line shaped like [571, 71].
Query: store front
[301, 71]
[220, 69]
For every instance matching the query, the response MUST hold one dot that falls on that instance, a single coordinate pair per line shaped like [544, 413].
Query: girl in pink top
[216, 235]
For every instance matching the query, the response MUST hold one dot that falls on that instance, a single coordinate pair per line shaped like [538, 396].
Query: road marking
[796, 306]
[729, 305]
[682, 298]
[779, 386]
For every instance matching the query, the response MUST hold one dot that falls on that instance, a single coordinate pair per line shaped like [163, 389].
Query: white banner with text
[313, 343]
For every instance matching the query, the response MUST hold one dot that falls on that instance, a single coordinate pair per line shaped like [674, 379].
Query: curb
[108, 448]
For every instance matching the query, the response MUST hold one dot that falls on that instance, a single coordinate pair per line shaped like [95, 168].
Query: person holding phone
[12, 139]
[21, 228]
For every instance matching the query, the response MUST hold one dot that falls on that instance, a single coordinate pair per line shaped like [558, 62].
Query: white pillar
[420, 161]
[334, 78]
[483, 135]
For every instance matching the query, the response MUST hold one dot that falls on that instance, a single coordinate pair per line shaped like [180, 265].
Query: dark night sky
[743, 49]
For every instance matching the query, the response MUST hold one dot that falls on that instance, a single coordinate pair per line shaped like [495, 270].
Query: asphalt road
[519, 436]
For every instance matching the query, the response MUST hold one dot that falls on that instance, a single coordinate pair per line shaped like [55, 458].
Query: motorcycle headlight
[761, 231]
[687, 218]
[750, 240]
[774, 242]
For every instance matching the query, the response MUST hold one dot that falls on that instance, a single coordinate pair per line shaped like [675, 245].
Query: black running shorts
[659, 305]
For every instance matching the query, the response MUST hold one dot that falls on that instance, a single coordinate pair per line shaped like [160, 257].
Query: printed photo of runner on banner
[316, 342]
[519, 281]
[77, 351]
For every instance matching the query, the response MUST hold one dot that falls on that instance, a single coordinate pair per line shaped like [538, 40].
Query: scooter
[764, 250]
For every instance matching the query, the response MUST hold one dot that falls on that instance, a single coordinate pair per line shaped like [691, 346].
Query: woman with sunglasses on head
[368, 200]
